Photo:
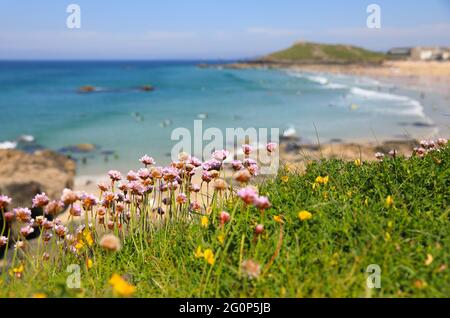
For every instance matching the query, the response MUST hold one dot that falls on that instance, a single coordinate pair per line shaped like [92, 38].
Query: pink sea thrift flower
[23, 214]
[379, 155]
[262, 203]
[147, 161]
[75, 210]
[393, 153]
[40, 200]
[247, 194]
[9, 216]
[442, 142]
[236, 165]
[132, 176]
[193, 187]
[195, 206]
[4, 201]
[68, 197]
[206, 176]
[88, 200]
[195, 162]
[54, 207]
[253, 169]
[170, 173]
[247, 149]
[102, 186]
[220, 154]
[249, 162]
[212, 164]
[224, 217]
[19, 245]
[60, 230]
[114, 175]
[26, 230]
[3, 241]
[271, 147]
[420, 152]
[259, 229]
[144, 173]
[181, 198]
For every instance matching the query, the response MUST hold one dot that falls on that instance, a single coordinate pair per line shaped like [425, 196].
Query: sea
[41, 106]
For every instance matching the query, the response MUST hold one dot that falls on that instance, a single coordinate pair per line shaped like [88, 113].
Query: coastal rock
[146, 88]
[86, 89]
[23, 175]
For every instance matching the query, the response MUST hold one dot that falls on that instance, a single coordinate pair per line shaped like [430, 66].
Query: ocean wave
[336, 86]
[312, 78]
[8, 145]
[403, 105]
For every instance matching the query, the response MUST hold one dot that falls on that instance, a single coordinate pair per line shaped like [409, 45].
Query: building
[421, 53]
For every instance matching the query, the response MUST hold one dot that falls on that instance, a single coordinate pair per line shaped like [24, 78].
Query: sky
[211, 29]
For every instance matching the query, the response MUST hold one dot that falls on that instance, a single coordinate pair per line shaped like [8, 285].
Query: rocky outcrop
[23, 175]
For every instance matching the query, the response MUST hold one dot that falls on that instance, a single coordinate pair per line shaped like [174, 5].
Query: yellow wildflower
[357, 162]
[429, 260]
[17, 271]
[304, 215]
[89, 263]
[198, 253]
[209, 256]
[285, 179]
[204, 221]
[121, 286]
[88, 237]
[79, 245]
[39, 295]
[221, 238]
[278, 219]
[387, 237]
[389, 201]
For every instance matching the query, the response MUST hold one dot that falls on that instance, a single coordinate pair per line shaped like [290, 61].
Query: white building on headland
[420, 53]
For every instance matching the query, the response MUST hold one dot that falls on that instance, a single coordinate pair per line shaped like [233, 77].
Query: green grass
[306, 52]
[326, 256]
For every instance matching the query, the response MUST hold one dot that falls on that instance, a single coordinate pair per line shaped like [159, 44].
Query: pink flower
[26, 230]
[193, 187]
[60, 230]
[4, 201]
[181, 198]
[75, 210]
[144, 173]
[3, 241]
[220, 154]
[194, 206]
[247, 194]
[393, 153]
[212, 164]
[237, 165]
[249, 162]
[170, 173]
[68, 197]
[379, 155]
[262, 203]
[23, 214]
[195, 162]
[206, 176]
[442, 142]
[54, 207]
[9, 216]
[247, 149]
[271, 147]
[224, 217]
[420, 152]
[132, 176]
[253, 169]
[102, 186]
[259, 229]
[147, 161]
[135, 187]
[40, 200]
[88, 200]
[114, 175]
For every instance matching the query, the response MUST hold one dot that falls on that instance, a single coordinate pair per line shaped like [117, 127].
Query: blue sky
[200, 29]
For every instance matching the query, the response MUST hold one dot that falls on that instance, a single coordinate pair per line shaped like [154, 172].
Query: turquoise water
[41, 99]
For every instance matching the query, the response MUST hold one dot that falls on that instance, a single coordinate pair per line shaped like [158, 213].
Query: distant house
[400, 51]
[421, 53]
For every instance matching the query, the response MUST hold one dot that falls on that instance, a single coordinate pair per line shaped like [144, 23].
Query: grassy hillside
[393, 213]
[306, 52]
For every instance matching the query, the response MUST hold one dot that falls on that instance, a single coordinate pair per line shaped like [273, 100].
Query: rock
[80, 148]
[22, 175]
[146, 88]
[86, 89]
